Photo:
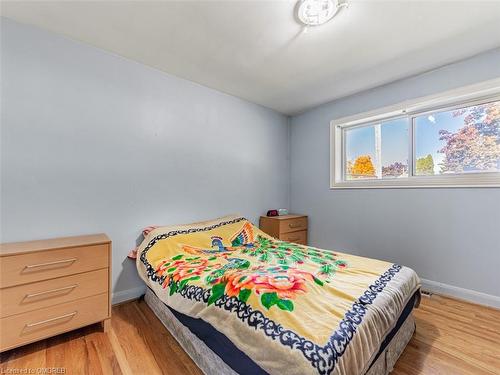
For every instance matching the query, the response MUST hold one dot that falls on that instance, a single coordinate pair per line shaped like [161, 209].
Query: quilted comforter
[292, 309]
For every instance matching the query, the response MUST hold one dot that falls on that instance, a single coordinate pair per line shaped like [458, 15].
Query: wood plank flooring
[453, 337]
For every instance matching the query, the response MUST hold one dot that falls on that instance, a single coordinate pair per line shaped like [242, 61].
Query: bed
[241, 302]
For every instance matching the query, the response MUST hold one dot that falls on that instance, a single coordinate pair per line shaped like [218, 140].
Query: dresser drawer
[33, 296]
[296, 237]
[34, 325]
[293, 225]
[27, 268]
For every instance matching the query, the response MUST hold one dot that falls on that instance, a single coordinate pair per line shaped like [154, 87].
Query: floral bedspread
[292, 309]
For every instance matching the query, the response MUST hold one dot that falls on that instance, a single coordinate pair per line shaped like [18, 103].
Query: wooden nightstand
[53, 286]
[290, 228]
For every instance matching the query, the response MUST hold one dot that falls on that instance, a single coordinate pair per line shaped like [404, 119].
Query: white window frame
[466, 96]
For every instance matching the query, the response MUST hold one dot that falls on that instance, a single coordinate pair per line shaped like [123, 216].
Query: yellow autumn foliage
[363, 166]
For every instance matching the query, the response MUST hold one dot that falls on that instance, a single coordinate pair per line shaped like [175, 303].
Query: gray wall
[450, 236]
[92, 142]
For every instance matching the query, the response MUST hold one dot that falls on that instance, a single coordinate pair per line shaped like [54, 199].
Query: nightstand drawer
[31, 267]
[29, 297]
[34, 325]
[296, 237]
[292, 225]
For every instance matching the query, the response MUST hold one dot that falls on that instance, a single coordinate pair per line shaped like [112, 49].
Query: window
[377, 150]
[461, 140]
[450, 140]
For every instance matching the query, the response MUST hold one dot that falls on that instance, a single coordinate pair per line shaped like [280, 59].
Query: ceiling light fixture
[318, 12]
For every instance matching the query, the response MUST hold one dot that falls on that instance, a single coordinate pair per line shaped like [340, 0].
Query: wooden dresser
[53, 286]
[290, 228]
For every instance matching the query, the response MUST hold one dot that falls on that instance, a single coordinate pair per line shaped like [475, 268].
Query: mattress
[274, 306]
[215, 354]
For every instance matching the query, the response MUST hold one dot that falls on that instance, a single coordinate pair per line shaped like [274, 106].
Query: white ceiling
[256, 50]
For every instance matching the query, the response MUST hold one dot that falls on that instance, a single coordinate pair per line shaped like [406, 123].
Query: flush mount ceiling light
[317, 12]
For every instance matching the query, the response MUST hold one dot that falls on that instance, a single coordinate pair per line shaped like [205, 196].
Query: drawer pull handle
[31, 266]
[51, 291]
[30, 325]
[294, 225]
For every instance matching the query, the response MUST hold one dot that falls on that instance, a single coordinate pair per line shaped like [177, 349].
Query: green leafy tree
[425, 166]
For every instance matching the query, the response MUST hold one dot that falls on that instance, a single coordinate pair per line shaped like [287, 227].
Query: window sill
[490, 180]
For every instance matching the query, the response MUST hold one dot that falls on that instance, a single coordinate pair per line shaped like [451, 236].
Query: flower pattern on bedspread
[224, 273]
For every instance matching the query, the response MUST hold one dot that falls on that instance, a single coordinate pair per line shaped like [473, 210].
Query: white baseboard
[461, 293]
[127, 295]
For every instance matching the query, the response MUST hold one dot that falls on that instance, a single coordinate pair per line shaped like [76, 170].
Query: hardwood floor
[452, 337]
